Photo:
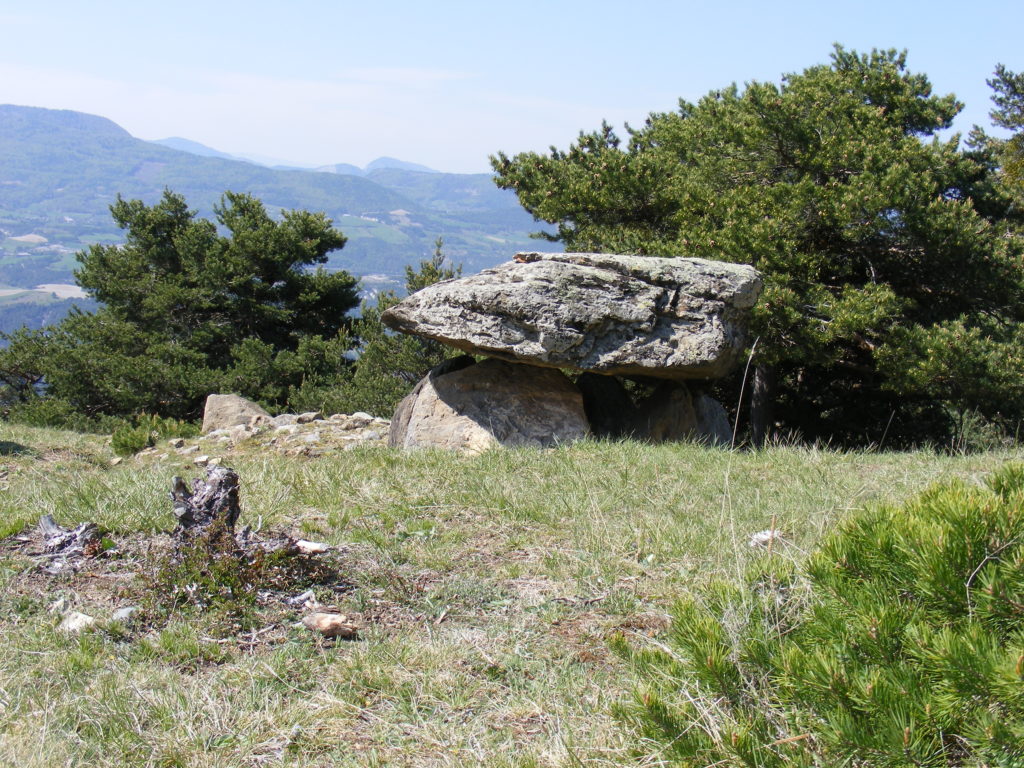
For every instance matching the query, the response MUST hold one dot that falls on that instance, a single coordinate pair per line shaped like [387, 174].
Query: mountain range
[195, 148]
[60, 171]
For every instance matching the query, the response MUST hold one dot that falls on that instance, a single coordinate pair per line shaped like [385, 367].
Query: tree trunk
[762, 404]
[214, 500]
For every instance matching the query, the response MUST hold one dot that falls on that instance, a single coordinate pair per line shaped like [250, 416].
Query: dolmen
[646, 335]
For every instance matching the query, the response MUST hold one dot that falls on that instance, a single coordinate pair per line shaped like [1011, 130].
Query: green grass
[487, 588]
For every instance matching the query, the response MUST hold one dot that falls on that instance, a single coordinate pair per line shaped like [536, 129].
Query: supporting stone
[491, 403]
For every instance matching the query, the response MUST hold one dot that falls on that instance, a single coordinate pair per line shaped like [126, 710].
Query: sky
[448, 83]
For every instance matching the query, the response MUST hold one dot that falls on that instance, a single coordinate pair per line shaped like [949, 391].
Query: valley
[61, 170]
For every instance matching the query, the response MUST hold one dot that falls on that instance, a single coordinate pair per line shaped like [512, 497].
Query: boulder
[403, 412]
[713, 425]
[666, 415]
[474, 407]
[225, 411]
[633, 315]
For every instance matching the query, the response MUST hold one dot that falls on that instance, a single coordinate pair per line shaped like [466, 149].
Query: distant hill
[351, 170]
[389, 162]
[194, 147]
[36, 309]
[60, 170]
[381, 163]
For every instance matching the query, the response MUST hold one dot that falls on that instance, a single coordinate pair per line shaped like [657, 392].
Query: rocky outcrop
[475, 407]
[627, 315]
[294, 435]
[226, 411]
[652, 321]
[283, 434]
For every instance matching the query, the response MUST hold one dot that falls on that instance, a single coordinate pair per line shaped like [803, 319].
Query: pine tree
[897, 644]
[390, 364]
[1008, 96]
[187, 310]
[878, 241]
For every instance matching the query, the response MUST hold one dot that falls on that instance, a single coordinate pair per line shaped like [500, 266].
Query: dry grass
[487, 587]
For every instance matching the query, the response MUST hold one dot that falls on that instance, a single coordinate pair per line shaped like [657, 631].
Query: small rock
[187, 450]
[311, 547]
[305, 418]
[115, 461]
[330, 625]
[75, 622]
[214, 462]
[124, 614]
[176, 442]
[765, 538]
[58, 606]
[286, 428]
[307, 599]
[239, 433]
[201, 461]
[284, 420]
[257, 422]
[358, 420]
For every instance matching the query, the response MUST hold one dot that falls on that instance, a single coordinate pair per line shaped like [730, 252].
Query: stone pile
[636, 328]
[307, 434]
[230, 421]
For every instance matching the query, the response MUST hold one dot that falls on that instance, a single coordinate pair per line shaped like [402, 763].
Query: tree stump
[211, 501]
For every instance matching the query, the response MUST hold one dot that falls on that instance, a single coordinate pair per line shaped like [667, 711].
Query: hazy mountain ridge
[60, 170]
[194, 147]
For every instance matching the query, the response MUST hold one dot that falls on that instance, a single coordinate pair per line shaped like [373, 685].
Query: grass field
[485, 587]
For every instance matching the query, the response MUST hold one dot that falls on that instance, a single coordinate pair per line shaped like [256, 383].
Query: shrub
[900, 642]
[209, 572]
[131, 437]
[163, 427]
[59, 414]
[128, 440]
